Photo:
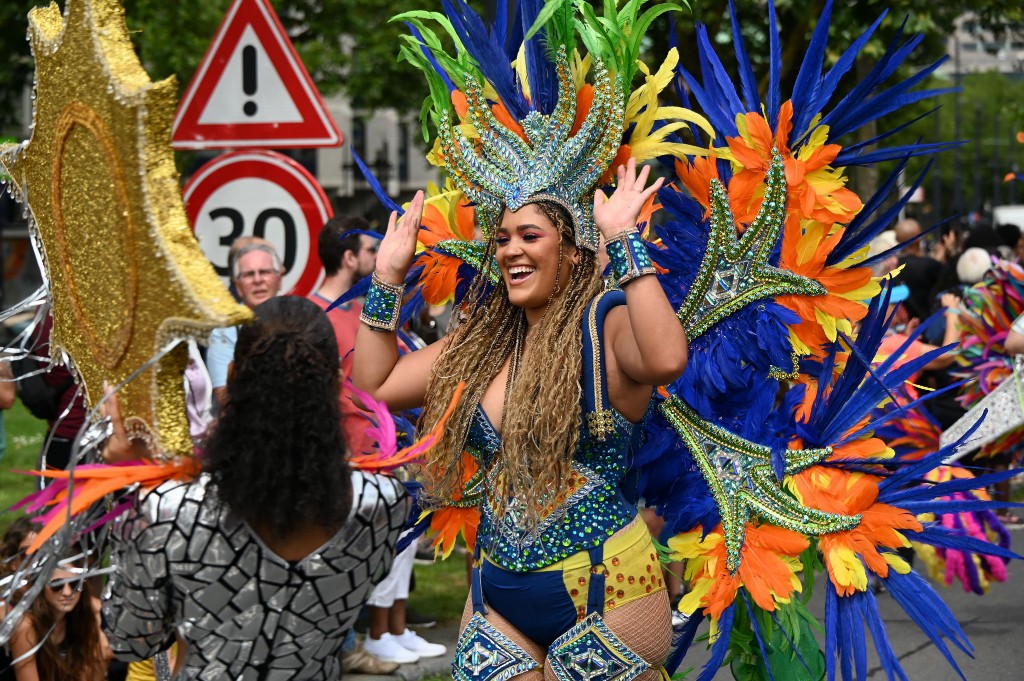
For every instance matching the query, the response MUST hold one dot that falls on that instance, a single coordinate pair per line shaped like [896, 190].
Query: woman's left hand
[618, 213]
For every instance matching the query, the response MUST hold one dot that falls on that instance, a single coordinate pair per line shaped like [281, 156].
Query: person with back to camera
[524, 351]
[263, 561]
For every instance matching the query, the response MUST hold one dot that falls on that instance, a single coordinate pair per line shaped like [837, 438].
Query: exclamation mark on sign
[249, 78]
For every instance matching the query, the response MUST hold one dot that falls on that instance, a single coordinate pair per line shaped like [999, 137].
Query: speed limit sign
[264, 194]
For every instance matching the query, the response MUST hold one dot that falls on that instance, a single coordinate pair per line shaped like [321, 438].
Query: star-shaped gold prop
[735, 272]
[743, 484]
[126, 274]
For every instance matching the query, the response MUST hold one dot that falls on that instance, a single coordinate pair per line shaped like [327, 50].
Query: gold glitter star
[126, 275]
[740, 476]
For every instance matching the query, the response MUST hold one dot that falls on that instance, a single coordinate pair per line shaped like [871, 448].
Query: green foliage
[792, 649]
[24, 441]
[441, 588]
[991, 112]
[171, 39]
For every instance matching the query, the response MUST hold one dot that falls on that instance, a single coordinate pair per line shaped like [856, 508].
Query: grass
[24, 440]
[441, 589]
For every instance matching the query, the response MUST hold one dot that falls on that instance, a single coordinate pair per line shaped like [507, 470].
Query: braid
[277, 453]
[541, 427]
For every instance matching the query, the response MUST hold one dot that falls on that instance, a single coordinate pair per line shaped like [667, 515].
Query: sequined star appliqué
[735, 271]
[743, 484]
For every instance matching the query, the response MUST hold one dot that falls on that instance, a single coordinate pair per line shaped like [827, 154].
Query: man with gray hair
[256, 275]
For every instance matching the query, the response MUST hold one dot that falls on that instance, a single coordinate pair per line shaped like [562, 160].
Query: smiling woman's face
[528, 251]
[64, 590]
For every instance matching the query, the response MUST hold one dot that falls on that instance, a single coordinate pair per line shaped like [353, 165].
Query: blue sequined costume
[522, 567]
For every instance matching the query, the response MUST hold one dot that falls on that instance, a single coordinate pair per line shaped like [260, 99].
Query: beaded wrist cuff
[629, 259]
[382, 306]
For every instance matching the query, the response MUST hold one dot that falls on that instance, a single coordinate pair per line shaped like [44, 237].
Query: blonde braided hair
[541, 424]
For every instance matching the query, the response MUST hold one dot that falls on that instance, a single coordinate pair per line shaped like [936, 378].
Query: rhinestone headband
[502, 169]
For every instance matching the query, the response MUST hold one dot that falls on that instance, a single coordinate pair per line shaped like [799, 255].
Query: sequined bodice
[581, 516]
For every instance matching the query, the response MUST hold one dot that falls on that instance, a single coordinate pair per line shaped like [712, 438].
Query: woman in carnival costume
[760, 457]
[545, 329]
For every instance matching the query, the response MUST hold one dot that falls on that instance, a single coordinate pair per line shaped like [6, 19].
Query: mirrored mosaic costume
[246, 612]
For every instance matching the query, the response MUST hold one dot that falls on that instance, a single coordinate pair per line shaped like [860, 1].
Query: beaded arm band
[383, 305]
[628, 255]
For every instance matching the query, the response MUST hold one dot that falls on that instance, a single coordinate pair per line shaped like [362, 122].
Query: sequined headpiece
[501, 168]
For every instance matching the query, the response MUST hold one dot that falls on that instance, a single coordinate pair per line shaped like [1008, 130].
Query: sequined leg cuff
[628, 255]
[383, 305]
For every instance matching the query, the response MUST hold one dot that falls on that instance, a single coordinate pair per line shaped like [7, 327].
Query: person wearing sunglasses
[60, 637]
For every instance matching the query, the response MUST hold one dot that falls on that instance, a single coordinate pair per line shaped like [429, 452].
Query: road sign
[265, 194]
[252, 90]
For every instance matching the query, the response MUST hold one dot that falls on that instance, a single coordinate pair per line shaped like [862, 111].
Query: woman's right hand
[398, 248]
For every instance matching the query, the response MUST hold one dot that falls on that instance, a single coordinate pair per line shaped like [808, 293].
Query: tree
[347, 46]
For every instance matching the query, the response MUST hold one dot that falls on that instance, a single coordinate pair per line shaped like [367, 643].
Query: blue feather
[854, 149]
[831, 632]
[678, 82]
[708, 104]
[716, 79]
[750, 94]
[862, 229]
[540, 72]
[430, 57]
[886, 655]
[500, 28]
[845, 63]
[757, 634]
[928, 611]
[681, 641]
[489, 56]
[808, 78]
[893, 153]
[721, 645]
[375, 185]
[945, 538]
[774, 67]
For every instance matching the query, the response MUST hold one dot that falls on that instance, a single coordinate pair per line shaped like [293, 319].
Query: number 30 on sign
[264, 194]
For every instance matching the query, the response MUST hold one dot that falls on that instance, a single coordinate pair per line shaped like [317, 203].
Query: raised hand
[618, 213]
[398, 248]
[119, 447]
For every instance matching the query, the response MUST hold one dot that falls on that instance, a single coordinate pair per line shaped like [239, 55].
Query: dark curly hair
[276, 455]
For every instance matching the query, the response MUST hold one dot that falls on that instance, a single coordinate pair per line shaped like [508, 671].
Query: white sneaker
[418, 645]
[388, 649]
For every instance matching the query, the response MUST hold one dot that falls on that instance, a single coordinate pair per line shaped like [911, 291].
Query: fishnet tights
[644, 625]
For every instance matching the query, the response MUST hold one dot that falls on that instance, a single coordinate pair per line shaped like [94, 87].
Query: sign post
[264, 194]
[252, 91]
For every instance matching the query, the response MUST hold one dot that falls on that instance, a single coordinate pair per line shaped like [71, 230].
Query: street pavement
[994, 623]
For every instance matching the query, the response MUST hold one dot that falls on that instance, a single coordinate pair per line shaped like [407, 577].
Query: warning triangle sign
[252, 90]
